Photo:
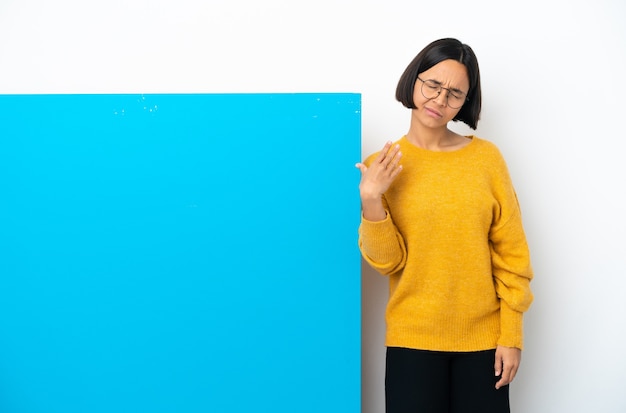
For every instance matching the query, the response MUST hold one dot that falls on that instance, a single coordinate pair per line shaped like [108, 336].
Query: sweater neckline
[440, 153]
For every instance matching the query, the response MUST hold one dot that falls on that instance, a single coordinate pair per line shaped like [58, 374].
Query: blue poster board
[179, 253]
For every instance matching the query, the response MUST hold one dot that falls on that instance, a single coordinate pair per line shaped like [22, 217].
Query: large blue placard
[179, 253]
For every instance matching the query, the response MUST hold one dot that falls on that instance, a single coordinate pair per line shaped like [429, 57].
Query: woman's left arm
[512, 272]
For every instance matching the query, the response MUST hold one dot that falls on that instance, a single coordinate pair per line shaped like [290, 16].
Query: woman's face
[444, 85]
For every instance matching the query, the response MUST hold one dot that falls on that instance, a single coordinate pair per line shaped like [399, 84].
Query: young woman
[440, 218]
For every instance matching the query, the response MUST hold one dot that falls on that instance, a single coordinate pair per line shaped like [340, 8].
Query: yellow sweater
[454, 249]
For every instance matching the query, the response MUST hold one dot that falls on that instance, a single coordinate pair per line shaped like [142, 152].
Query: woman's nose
[442, 97]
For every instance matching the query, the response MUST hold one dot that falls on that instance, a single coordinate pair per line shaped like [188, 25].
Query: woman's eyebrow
[454, 89]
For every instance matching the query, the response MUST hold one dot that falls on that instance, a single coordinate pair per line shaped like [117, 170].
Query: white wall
[554, 98]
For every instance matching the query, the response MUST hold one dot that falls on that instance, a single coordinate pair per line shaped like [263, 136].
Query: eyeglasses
[431, 89]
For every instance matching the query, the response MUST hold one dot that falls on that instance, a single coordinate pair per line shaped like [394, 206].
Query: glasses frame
[465, 99]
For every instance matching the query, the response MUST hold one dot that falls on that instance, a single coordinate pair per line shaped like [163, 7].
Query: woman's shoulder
[486, 146]
[490, 155]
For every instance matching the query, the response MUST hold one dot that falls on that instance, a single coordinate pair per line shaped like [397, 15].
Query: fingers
[497, 366]
[387, 163]
[506, 365]
[508, 374]
[389, 157]
[383, 153]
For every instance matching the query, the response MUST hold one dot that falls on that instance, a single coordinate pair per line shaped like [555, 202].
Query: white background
[554, 93]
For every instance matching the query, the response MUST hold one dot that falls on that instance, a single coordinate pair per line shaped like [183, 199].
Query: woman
[440, 218]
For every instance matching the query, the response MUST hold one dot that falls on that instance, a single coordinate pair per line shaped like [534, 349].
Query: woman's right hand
[376, 179]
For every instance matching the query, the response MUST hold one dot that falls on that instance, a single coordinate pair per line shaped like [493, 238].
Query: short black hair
[435, 52]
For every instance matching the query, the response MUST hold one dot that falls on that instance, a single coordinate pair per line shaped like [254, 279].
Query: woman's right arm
[381, 244]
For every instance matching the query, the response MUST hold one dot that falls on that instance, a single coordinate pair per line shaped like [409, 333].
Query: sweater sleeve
[511, 264]
[382, 245]
[512, 273]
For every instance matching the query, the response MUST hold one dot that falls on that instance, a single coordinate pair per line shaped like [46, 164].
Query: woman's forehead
[448, 72]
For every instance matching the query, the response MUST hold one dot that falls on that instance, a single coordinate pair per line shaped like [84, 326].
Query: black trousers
[420, 381]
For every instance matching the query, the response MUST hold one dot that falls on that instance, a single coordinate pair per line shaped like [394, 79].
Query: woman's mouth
[433, 112]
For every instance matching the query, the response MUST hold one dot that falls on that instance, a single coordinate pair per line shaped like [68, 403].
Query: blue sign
[179, 253]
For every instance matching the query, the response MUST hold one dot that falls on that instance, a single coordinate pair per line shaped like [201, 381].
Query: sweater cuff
[511, 327]
[378, 239]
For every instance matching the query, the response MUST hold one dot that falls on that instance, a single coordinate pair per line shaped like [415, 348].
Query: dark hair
[435, 52]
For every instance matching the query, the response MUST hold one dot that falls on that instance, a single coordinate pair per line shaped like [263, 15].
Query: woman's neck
[439, 139]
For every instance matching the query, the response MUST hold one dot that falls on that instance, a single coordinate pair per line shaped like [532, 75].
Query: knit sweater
[454, 249]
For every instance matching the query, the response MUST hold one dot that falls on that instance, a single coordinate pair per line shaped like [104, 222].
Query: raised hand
[376, 179]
